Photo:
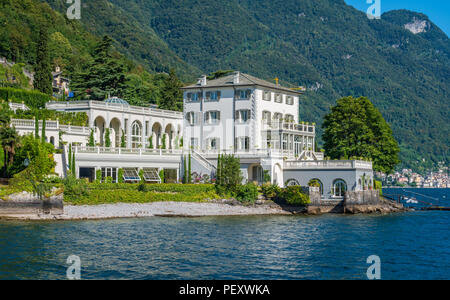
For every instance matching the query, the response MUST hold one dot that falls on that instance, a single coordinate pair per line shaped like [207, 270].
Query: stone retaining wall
[24, 204]
[362, 198]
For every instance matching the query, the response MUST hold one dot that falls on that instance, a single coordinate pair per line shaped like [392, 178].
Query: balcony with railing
[90, 104]
[50, 125]
[329, 164]
[304, 129]
[126, 151]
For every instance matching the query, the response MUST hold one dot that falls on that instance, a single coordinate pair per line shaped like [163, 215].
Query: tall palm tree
[5, 115]
[10, 140]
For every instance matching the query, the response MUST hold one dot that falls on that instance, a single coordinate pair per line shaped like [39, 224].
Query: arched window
[52, 140]
[136, 135]
[292, 182]
[339, 188]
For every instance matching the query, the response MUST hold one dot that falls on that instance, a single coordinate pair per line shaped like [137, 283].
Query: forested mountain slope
[327, 46]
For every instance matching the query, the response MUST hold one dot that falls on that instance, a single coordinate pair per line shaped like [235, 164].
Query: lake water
[413, 245]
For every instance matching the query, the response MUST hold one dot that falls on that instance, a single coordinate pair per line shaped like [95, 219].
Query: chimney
[236, 77]
[202, 81]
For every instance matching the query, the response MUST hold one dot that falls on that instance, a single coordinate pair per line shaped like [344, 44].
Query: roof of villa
[244, 80]
[116, 100]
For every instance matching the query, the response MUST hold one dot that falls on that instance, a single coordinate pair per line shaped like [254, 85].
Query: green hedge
[107, 193]
[32, 99]
[65, 118]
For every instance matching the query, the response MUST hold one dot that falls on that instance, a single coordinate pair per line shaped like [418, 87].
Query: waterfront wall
[354, 201]
[370, 197]
[24, 204]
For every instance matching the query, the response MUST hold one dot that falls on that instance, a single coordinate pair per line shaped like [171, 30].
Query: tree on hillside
[103, 76]
[171, 95]
[43, 70]
[355, 128]
[219, 73]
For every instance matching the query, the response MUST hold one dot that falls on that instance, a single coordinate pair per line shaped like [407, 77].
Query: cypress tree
[91, 139]
[43, 130]
[43, 71]
[172, 96]
[107, 138]
[218, 170]
[69, 158]
[123, 143]
[185, 178]
[189, 169]
[74, 172]
[36, 127]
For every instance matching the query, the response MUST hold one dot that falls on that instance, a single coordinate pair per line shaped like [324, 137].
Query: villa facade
[256, 120]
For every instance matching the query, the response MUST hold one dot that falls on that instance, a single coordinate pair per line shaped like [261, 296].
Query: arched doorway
[170, 131]
[316, 183]
[156, 135]
[100, 125]
[116, 132]
[339, 188]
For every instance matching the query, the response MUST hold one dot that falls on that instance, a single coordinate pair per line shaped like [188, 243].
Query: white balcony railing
[276, 125]
[329, 164]
[89, 104]
[126, 151]
[50, 125]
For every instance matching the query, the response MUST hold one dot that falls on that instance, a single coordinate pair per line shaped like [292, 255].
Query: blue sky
[437, 10]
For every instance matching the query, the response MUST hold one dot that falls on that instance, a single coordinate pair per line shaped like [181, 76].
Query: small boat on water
[411, 201]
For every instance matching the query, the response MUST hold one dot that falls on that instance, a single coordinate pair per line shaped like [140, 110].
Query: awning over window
[151, 175]
[131, 175]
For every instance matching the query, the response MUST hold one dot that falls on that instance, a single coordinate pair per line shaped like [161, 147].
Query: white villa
[238, 114]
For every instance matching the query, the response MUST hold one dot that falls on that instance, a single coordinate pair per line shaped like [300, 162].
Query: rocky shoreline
[189, 209]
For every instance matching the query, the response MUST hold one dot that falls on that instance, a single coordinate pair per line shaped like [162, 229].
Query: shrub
[75, 187]
[379, 186]
[314, 183]
[98, 175]
[230, 177]
[120, 175]
[270, 191]
[247, 193]
[142, 187]
[294, 195]
[32, 99]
